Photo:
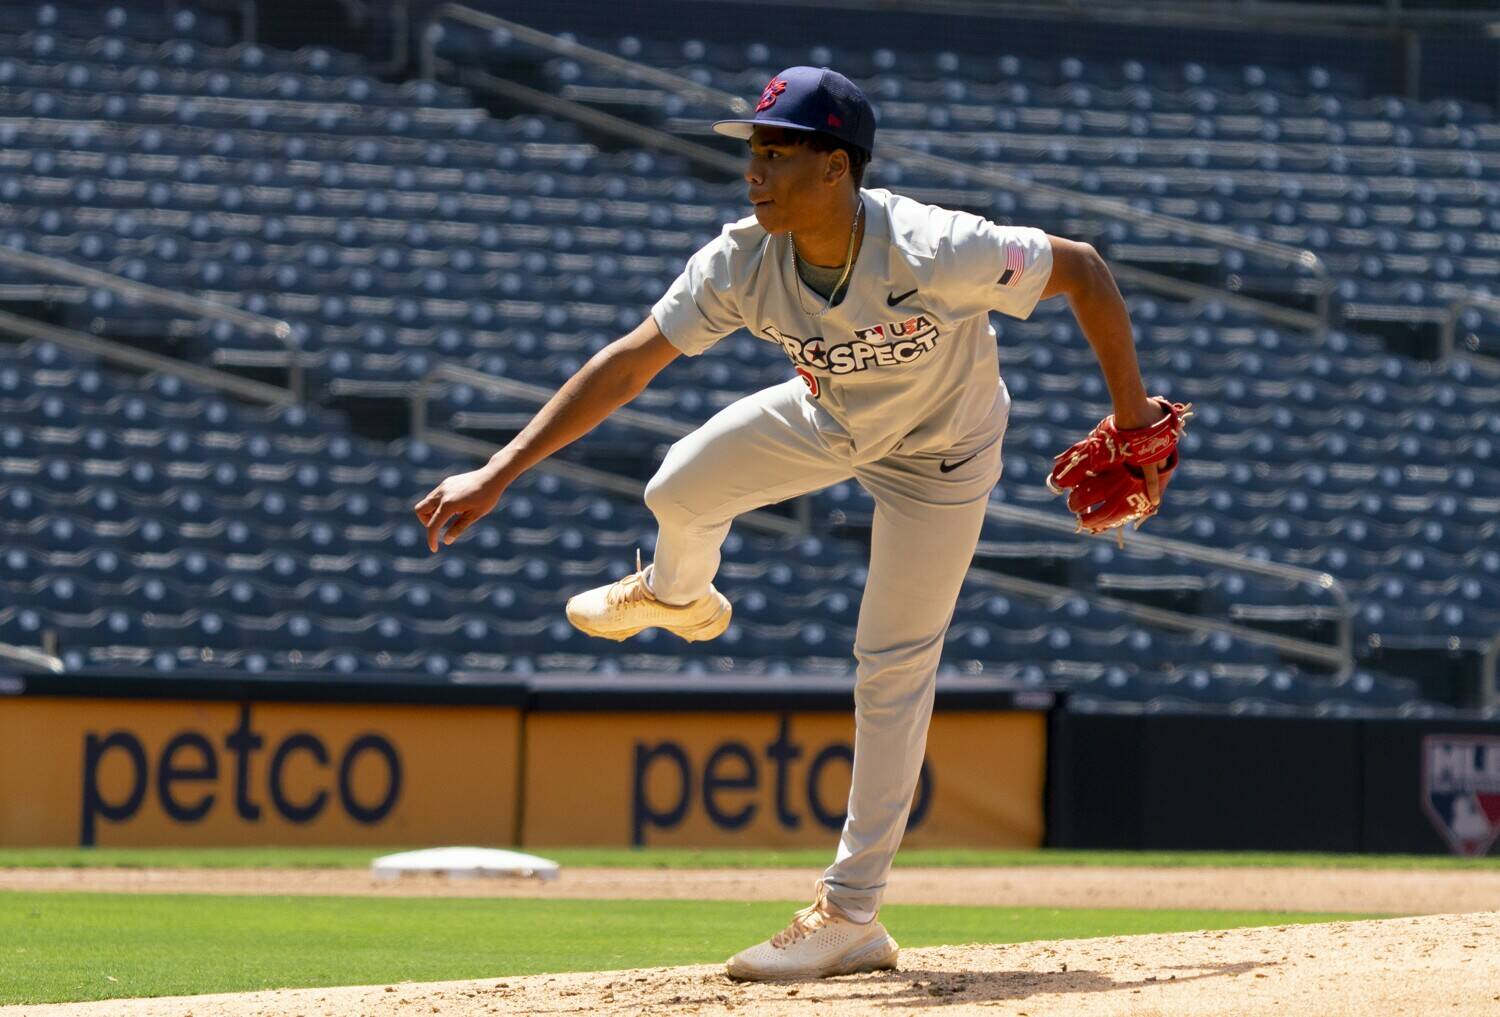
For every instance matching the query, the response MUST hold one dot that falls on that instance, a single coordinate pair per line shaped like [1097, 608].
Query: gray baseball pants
[777, 444]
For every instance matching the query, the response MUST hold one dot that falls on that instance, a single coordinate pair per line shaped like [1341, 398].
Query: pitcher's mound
[1434, 965]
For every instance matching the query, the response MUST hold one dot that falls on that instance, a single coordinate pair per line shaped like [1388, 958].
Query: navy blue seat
[412, 229]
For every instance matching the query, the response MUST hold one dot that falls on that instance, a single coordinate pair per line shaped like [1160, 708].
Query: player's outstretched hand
[464, 498]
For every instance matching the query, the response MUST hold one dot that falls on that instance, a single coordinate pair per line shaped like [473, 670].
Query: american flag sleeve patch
[1015, 265]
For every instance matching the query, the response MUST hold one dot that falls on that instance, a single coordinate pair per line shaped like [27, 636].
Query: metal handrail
[1321, 581]
[1489, 674]
[258, 324]
[1382, 15]
[1321, 653]
[307, 109]
[432, 32]
[715, 159]
[1303, 257]
[421, 430]
[46, 292]
[140, 360]
[1220, 235]
[400, 21]
[756, 519]
[27, 656]
[599, 120]
[523, 390]
[248, 14]
[1184, 290]
[249, 21]
[1107, 142]
[1112, 206]
[1340, 656]
[1470, 298]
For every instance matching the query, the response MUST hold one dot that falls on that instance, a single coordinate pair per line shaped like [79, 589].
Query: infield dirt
[1431, 965]
[1355, 891]
[1437, 964]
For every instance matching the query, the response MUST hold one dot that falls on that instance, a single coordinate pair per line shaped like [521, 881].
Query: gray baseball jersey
[908, 358]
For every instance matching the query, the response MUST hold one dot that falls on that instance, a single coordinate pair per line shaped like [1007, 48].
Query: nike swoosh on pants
[947, 467]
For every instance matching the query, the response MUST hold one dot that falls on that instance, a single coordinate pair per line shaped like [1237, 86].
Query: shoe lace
[1097, 446]
[805, 922]
[630, 590]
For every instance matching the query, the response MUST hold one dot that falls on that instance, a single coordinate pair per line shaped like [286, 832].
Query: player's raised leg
[762, 449]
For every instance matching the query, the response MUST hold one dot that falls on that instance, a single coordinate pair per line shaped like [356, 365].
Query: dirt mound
[1438, 964]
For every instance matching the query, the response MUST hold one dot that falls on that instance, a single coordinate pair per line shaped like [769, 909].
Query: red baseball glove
[1106, 475]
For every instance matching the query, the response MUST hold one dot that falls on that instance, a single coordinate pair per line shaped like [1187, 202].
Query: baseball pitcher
[881, 303]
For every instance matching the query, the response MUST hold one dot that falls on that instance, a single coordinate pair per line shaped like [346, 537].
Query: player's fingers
[440, 515]
[424, 507]
[1153, 483]
[460, 524]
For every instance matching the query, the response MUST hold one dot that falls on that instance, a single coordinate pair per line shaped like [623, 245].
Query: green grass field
[682, 858]
[59, 947]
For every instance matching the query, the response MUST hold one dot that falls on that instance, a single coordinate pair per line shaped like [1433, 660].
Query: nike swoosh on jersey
[946, 467]
[892, 300]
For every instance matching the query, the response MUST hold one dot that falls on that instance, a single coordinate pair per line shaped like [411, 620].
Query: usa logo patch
[1461, 790]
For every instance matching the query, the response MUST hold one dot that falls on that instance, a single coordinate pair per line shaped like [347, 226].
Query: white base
[465, 863]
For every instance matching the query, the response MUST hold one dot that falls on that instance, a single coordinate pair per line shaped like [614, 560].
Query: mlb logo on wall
[1461, 789]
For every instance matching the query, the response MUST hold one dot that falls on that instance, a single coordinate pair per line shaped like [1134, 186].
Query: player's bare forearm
[610, 379]
[1080, 274]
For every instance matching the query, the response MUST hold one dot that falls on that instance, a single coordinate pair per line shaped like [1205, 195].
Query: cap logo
[834, 121]
[773, 88]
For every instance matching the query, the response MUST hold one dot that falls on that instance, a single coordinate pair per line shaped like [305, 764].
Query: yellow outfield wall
[143, 765]
[151, 772]
[769, 779]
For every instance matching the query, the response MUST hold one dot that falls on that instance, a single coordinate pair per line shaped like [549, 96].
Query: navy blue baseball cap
[811, 99]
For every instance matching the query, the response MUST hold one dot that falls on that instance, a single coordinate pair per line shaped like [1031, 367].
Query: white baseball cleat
[621, 609]
[820, 942]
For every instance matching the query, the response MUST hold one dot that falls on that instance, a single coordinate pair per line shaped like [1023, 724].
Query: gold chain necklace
[859, 214]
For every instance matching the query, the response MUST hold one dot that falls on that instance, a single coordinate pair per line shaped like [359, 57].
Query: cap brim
[742, 129]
